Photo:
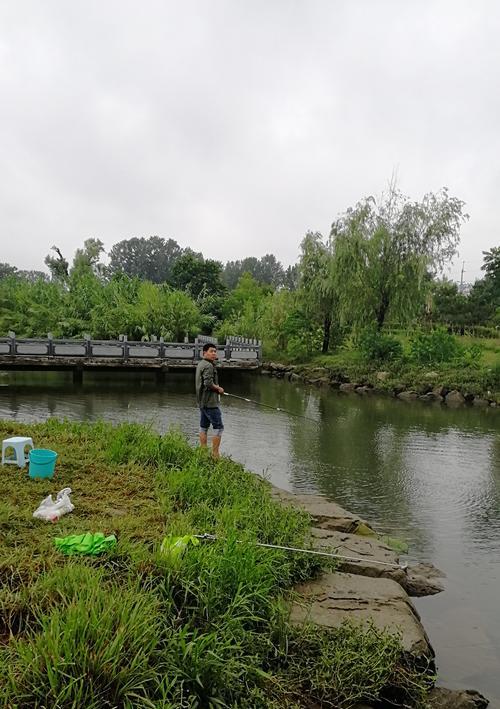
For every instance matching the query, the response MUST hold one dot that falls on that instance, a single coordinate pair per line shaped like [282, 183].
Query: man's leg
[216, 445]
[216, 420]
[204, 424]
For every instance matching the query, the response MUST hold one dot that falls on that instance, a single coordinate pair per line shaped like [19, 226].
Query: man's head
[210, 352]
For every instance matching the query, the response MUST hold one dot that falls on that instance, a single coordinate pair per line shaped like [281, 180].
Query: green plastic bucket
[42, 463]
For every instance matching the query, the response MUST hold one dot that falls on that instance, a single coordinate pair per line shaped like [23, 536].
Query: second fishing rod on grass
[208, 393]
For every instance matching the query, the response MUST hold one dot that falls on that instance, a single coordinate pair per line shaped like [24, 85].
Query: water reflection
[424, 473]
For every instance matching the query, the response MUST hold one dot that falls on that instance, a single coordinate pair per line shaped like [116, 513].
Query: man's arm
[208, 380]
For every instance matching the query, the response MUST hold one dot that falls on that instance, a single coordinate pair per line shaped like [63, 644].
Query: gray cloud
[234, 127]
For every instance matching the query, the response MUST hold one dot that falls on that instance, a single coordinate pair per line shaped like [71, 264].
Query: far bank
[440, 384]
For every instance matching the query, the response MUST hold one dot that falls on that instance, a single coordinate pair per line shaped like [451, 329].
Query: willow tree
[384, 250]
[316, 284]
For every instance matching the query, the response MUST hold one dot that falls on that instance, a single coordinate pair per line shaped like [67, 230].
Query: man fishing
[207, 397]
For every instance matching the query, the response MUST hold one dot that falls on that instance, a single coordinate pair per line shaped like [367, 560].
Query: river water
[424, 473]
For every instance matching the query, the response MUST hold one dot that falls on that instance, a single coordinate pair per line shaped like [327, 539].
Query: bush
[432, 347]
[470, 356]
[377, 346]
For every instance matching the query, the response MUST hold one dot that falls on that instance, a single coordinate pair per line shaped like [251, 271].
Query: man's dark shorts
[212, 416]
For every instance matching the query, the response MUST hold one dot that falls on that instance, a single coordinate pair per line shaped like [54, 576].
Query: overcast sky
[234, 126]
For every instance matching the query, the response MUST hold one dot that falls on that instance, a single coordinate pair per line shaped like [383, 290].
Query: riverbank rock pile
[368, 592]
[427, 393]
[339, 531]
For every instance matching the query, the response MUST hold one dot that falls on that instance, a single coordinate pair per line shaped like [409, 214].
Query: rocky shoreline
[429, 393]
[375, 590]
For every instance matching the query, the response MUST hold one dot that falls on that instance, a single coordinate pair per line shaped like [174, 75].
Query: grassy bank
[134, 628]
[475, 369]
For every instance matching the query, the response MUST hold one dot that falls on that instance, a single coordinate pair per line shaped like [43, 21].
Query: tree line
[378, 267]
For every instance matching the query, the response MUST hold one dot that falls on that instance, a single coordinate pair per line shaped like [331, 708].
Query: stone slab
[441, 698]
[369, 549]
[335, 598]
[324, 514]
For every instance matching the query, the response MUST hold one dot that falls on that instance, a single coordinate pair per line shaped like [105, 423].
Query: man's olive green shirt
[206, 376]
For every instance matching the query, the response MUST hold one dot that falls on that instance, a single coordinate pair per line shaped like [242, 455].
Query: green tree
[199, 277]
[448, 306]
[115, 313]
[292, 277]
[248, 290]
[491, 265]
[7, 270]
[182, 314]
[162, 311]
[32, 275]
[32, 309]
[317, 288]
[151, 259]
[383, 251]
[267, 270]
[57, 265]
[484, 298]
[87, 259]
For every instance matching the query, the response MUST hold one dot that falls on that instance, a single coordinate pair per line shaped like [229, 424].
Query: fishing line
[267, 406]
[354, 559]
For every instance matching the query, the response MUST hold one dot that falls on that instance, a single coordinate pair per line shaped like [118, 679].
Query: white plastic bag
[50, 511]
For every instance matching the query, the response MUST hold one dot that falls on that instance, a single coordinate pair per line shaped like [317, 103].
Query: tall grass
[131, 629]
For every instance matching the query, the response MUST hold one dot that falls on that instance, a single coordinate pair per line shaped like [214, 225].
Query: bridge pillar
[161, 375]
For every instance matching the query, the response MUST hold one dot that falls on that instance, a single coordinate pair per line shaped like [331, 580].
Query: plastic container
[42, 463]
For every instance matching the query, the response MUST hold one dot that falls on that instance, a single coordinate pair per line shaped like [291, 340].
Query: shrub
[432, 347]
[377, 346]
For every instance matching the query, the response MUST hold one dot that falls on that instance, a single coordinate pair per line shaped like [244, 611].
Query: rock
[348, 387]
[324, 514]
[477, 401]
[441, 698]
[363, 390]
[407, 395]
[440, 391]
[276, 367]
[266, 372]
[369, 549]
[336, 597]
[427, 569]
[382, 376]
[430, 396]
[422, 580]
[431, 375]
[419, 580]
[322, 382]
[454, 398]
[294, 377]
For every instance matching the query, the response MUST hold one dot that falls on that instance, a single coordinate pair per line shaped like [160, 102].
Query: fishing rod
[267, 406]
[354, 559]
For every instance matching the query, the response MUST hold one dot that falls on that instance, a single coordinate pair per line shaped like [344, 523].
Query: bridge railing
[125, 349]
[244, 347]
